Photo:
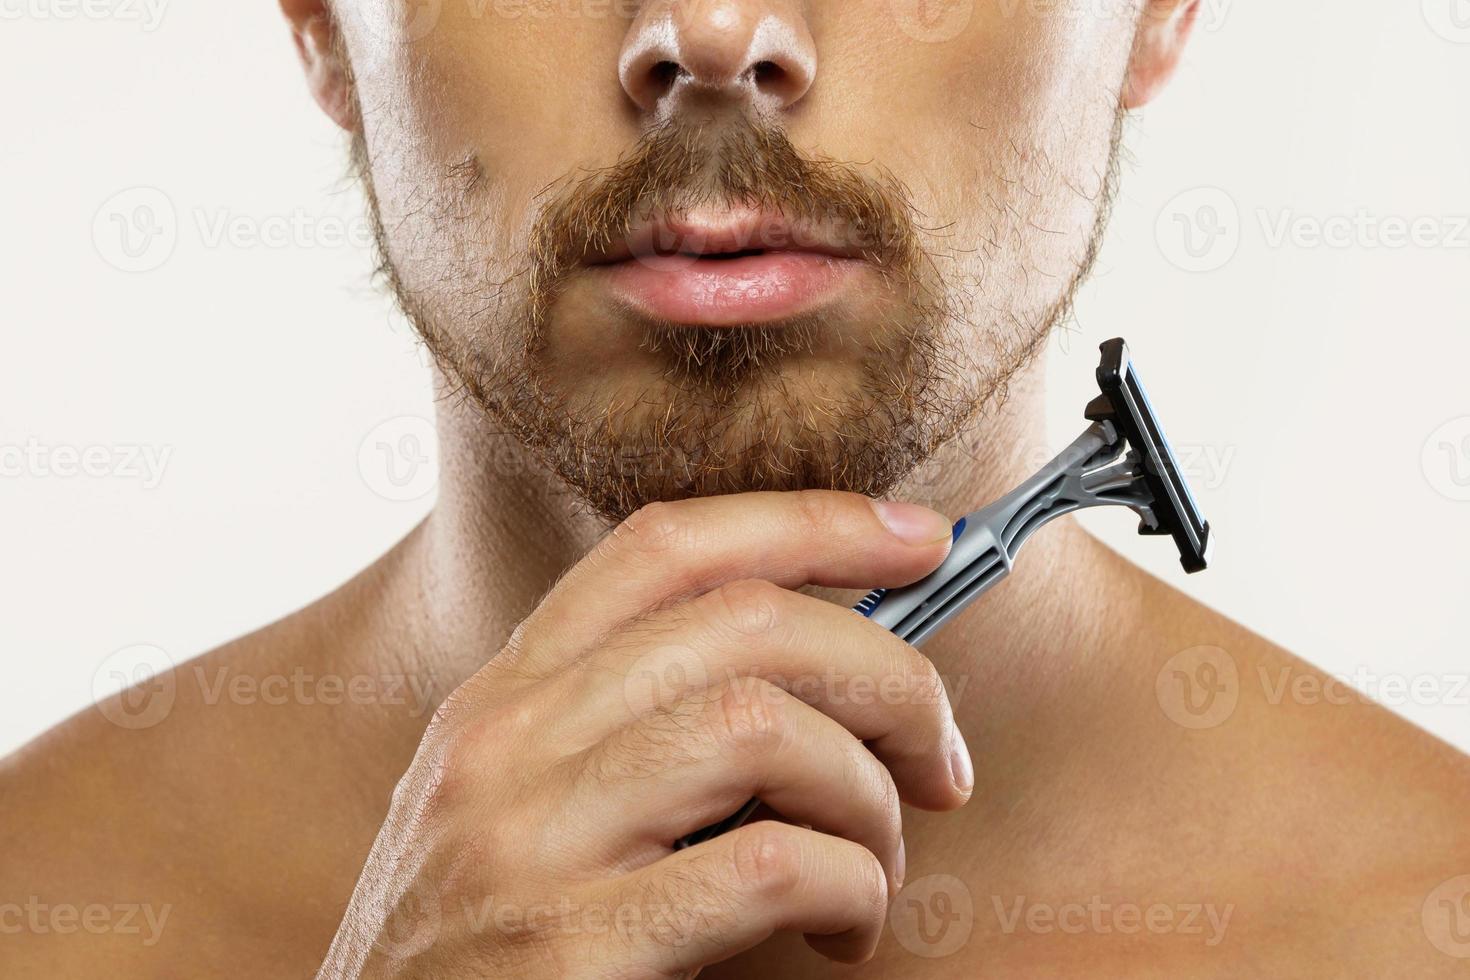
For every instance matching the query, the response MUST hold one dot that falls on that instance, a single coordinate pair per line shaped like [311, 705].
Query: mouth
[729, 268]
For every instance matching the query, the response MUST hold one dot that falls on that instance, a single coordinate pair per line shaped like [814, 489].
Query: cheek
[998, 131]
[468, 121]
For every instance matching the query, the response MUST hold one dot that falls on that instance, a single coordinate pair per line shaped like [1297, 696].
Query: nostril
[663, 74]
[784, 82]
[717, 49]
[767, 74]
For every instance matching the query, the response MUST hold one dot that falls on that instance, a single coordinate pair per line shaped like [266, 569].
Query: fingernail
[960, 766]
[912, 523]
[901, 866]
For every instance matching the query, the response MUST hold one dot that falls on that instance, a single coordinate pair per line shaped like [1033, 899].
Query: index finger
[669, 552]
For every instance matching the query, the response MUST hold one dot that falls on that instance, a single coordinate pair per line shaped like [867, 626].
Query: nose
[756, 51]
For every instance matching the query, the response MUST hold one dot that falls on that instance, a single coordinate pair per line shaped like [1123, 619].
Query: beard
[819, 401]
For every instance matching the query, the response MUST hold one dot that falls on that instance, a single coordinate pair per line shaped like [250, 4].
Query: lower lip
[729, 292]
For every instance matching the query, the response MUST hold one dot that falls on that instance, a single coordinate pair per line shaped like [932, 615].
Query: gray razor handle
[1093, 471]
[987, 541]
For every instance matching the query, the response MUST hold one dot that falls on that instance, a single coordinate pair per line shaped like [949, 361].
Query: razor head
[1124, 403]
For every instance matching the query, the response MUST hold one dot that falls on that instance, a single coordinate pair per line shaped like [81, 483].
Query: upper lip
[725, 233]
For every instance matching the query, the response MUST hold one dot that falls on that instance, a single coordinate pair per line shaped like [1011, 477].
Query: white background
[1310, 383]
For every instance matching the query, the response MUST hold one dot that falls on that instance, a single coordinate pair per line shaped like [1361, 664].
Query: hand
[672, 675]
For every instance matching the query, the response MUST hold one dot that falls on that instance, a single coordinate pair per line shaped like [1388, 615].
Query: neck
[505, 529]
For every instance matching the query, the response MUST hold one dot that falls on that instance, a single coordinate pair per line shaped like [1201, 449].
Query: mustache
[748, 163]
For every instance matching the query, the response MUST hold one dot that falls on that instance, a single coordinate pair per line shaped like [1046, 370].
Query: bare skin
[1312, 832]
[473, 759]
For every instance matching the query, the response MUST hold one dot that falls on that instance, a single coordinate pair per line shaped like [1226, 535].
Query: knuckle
[891, 807]
[822, 510]
[746, 715]
[448, 714]
[656, 529]
[917, 679]
[766, 861]
[435, 785]
[751, 607]
[925, 681]
[873, 880]
[455, 754]
[874, 777]
[868, 780]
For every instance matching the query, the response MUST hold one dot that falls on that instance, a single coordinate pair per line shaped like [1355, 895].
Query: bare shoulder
[1338, 826]
[212, 821]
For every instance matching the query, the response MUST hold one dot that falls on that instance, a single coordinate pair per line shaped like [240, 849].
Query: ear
[323, 57]
[1162, 33]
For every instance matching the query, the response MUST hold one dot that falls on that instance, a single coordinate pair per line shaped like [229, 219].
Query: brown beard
[730, 411]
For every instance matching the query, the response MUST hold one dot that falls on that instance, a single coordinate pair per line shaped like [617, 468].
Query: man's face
[706, 246]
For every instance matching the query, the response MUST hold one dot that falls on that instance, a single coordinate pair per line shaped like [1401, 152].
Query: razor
[1123, 459]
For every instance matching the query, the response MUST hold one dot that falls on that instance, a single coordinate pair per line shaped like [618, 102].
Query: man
[761, 286]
